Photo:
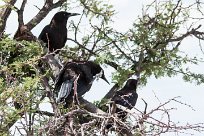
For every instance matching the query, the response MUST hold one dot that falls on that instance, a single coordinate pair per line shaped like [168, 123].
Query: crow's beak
[74, 14]
[104, 78]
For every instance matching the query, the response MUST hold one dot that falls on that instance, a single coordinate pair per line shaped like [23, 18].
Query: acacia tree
[150, 48]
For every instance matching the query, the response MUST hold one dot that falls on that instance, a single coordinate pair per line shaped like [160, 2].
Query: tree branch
[20, 13]
[4, 14]
[48, 6]
[90, 106]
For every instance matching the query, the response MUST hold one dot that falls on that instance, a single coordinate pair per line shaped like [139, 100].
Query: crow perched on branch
[76, 78]
[127, 97]
[55, 34]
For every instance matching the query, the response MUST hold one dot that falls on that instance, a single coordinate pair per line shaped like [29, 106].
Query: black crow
[55, 34]
[127, 97]
[79, 76]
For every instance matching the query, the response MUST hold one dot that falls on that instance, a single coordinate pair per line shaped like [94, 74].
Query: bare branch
[48, 6]
[191, 32]
[4, 14]
[20, 13]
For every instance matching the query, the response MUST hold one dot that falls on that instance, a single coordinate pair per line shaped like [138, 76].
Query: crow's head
[131, 84]
[96, 70]
[62, 16]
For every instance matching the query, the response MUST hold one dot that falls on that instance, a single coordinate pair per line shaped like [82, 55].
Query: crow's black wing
[64, 90]
[125, 99]
[43, 35]
[117, 96]
[58, 82]
[129, 100]
[64, 81]
[48, 34]
[65, 36]
[59, 78]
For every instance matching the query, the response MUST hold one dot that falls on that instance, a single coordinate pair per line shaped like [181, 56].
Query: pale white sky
[165, 88]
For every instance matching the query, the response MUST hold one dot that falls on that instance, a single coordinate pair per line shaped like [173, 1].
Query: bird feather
[65, 90]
